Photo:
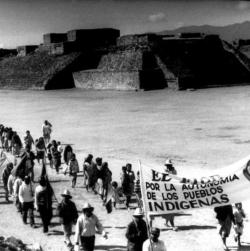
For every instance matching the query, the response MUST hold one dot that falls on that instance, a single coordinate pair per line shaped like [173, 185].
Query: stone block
[107, 80]
[94, 37]
[26, 49]
[54, 38]
[141, 39]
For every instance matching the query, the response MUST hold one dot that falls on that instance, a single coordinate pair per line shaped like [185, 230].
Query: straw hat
[168, 162]
[86, 205]
[138, 212]
[66, 193]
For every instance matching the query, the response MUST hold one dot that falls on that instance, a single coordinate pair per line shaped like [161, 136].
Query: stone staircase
[171, 78]
[35, 71]
[243, 59]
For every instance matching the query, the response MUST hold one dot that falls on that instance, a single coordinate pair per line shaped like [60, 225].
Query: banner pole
[143, 193]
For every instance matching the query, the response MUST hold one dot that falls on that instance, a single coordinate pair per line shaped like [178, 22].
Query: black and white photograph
[124, 125]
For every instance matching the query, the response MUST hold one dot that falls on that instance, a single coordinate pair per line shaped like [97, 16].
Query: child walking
[239, 215]
[73, 169]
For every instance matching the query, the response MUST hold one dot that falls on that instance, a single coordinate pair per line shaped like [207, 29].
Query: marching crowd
[18, 181]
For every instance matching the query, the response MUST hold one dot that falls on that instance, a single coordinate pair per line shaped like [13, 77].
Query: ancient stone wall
[129, 60]
[63, 48]
[140, 39]
[104, 80]
[145, 61]
[26, 49]
[94, 37]
[54, 38]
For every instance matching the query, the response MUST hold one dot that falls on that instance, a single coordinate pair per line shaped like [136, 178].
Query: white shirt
[87, 226]
[18, 182]
[26, 193]
[156, 246]
[60, 149]
[46, 129]
[38, 189]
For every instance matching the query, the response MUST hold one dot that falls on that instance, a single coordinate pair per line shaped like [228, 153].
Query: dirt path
[197, 229]
[205, 129]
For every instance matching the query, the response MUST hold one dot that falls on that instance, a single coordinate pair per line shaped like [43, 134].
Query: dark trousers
[57, 163]
[88, 243]
[128, 198]
[45, 216]
[18, 205]
[6, 192]
[28, 207]
[74, 177]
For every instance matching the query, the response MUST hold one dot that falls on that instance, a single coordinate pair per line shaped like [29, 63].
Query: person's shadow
[245, 246]
[190, 227]
[55, 232]
[111, 247]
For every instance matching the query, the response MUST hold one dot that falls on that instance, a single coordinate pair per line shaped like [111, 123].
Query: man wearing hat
[136, 231]
[169, 168]
[86, 227]
[68, 215]
[5, 176]
[154, 244]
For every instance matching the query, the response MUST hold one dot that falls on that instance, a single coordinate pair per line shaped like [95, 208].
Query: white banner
[163, 193]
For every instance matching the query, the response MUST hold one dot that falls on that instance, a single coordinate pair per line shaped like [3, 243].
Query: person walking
[9, 136]
[43, 203]
[106, 179]
[86, 226]
[46, 130]
[56, 156]
[73, 168]
[5, 176]
[5, 138]
[239, 215]
[40, 150]
[68, 215]
[126, 187]
[27, 163]
[16, 144]
[99, 182]
[169, 218]
[67, 153]
[153, 243]
[136, 232]
[131, 175]
[225, 217]
[26, 198]
[28, 140]
[89, 172]
[10, 183]
[17, 184]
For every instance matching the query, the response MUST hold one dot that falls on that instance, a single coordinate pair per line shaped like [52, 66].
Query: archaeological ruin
[102, 59]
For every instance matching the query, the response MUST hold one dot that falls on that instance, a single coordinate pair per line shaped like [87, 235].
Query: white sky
[25, 21]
